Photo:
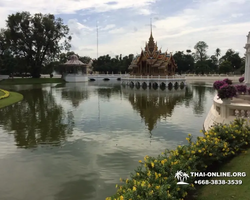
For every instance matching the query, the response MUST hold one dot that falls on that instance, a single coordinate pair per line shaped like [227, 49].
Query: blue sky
[124, 24]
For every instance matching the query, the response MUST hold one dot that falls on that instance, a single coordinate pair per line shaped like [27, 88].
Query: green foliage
[201, 51]
[201, 67]
[232, 57]
[185, 62]
[34, 39]
[225, 67]
[106, 64]
[155, 178]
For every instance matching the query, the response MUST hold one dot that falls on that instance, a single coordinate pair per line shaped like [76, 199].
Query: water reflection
[37, 119]
[92, 155]
[199, 98]
[83, 188]
[106, 93]
[75, 93]
[155, 105]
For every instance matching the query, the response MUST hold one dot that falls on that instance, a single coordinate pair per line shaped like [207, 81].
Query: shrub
[155, 178]
[241, 88]
[6, 94]
[227, 91]
[228, 81]
[241, 79]
[218, 84]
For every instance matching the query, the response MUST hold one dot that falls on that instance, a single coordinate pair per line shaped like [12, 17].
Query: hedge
[6, 94]
[155, 178]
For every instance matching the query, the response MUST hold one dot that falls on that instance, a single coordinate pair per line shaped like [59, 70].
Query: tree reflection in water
[106, 93]
[37, 120]
[199, 99]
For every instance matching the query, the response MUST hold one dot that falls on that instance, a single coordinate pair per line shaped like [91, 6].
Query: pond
[74, 141]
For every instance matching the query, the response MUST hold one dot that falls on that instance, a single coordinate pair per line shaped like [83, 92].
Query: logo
[181, 176]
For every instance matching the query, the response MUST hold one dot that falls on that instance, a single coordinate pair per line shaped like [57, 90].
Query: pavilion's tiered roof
[152, 55]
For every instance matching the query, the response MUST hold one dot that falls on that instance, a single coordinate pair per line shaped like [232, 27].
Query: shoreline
[44, 79]
[13, 98]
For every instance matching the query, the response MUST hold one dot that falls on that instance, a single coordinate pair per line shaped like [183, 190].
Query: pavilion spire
[151, 43]
[151, 28]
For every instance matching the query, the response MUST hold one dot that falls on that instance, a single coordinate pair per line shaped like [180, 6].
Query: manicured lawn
[17, 81]
[227, 192]
[13, 98]
[1, 93]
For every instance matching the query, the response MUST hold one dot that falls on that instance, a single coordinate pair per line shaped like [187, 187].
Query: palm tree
[185, 176]
[217, 52]
[179, 175]
[188, 51]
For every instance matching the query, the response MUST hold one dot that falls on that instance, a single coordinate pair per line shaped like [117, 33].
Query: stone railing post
[223, 110]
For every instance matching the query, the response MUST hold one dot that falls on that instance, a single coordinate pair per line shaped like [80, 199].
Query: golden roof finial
[151, 27]
[151, 43]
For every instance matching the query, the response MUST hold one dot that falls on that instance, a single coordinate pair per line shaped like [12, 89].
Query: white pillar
[247, 62]
[246, 68]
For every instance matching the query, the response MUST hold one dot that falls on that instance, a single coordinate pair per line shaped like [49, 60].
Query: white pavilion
[74, 70]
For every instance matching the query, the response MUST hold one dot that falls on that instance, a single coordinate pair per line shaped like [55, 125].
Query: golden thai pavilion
[152, 61]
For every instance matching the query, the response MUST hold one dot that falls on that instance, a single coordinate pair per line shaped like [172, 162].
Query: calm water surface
[74, 141]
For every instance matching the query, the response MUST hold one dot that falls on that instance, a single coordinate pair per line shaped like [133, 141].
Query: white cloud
[108, 27]
[144, 11]
[237, 15]
[117, 31]
[184, 29]
[213, 21]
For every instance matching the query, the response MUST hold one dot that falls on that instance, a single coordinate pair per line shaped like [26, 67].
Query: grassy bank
[225, 192]
[14, 97]
[20, 81]
[1, 93]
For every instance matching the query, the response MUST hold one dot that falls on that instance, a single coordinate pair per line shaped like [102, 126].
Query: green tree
[188, 51]
[202, 67]
[225, 67]
[64, 57]
[185, 62]
[37, 39]
[212, 62]
[106, 64]
[85, 59]
[201, 51]
[233, 57]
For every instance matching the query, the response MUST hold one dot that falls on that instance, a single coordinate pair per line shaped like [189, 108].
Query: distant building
[152, 61]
